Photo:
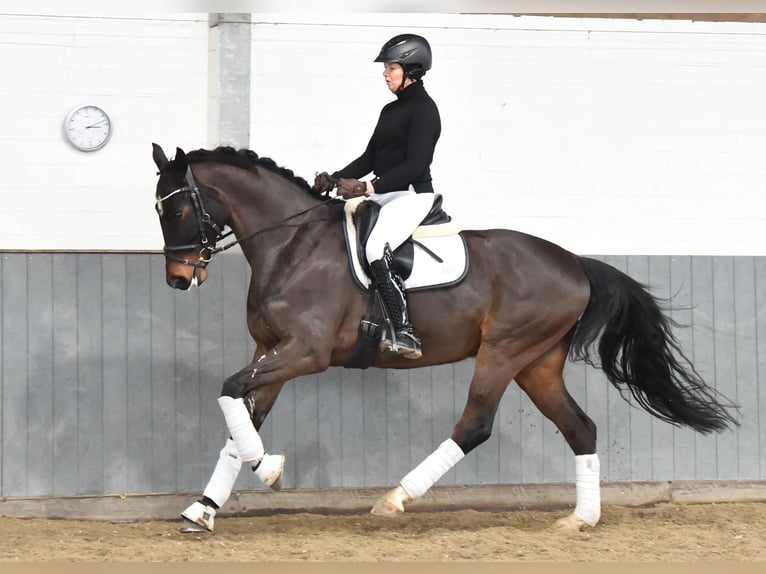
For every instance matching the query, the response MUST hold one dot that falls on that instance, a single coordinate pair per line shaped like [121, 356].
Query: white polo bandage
[224, 476]
[247, 440]
[587, 478]
[199, 514]
[435, 465]
[270, 469]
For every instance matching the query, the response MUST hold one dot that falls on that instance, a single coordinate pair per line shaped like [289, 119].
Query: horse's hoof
[570, 523]
[189, 527]
[269, 470]
[391, 504]
[276, 486]
[383, 507]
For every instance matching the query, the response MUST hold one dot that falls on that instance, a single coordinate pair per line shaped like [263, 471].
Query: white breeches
[401, 212]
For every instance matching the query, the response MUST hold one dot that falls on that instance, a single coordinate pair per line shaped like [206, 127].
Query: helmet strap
[404, 80]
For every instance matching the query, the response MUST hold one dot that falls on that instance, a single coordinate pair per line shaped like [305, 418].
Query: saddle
[366, 216]
[435, 255]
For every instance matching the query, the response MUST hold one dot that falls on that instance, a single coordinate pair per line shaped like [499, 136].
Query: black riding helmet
[410, 51]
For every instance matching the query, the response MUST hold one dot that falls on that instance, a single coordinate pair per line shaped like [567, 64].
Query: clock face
[88, 127]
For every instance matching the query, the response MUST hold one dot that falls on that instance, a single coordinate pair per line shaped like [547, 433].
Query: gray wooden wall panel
[66, 370]
[15, 439]
[329, 451]
[90, 414]
[139, 440]
[746, 374]
[759, 413]
[161, 410]
[40, 373]
[115, 366]
[703, 354]
[110, 379]
[2, 376]
[352, 427]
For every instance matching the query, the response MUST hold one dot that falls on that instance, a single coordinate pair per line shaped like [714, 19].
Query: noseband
[204, 245]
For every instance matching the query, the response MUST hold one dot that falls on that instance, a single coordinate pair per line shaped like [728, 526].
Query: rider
[399, 153]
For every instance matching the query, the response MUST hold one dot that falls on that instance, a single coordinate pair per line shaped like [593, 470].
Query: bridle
[208, 249]
[204, 245]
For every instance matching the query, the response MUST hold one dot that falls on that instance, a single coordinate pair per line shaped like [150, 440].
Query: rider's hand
[350, 188]
[324, 183]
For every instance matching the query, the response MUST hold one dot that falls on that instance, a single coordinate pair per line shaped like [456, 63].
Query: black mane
[248, 159]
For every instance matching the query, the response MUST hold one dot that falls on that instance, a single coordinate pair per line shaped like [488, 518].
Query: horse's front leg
[200, 515]
[288, 360]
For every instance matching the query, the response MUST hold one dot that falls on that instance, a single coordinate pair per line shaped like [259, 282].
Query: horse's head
[191, 217]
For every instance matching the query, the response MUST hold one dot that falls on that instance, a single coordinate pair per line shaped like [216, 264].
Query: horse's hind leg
[543, 381]
[491, 377]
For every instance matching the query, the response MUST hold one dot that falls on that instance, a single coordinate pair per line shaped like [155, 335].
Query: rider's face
[393, 74]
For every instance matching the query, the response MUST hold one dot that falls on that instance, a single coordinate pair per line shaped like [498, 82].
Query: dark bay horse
[524, 307]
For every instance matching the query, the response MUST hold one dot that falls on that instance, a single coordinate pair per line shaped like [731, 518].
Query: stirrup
[406, 344]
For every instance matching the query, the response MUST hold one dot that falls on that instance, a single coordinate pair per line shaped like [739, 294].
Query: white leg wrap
[269, 471]
[436, 465]
[199, 514]
[227, 469]
[587, 478]
[247, 440]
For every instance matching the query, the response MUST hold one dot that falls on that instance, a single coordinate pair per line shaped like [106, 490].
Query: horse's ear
[180, 160]
[159, 156]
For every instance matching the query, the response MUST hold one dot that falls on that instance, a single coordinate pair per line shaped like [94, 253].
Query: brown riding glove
[324, 183]
[350, 188]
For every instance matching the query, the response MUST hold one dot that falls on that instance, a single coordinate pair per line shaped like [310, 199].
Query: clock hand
[96, 124]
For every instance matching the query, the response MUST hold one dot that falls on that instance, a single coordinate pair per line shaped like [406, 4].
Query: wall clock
[88, 127]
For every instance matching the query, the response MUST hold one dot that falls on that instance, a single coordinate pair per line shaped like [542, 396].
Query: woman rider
[399, 154]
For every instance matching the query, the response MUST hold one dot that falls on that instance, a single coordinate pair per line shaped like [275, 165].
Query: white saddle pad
[444, 240]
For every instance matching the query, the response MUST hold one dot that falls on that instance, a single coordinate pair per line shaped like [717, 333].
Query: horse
[524, 307]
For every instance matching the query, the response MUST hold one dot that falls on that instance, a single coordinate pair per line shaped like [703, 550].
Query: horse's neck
[258, 200]
[275, 198]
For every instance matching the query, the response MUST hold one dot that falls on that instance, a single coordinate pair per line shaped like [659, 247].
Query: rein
[203, 217]
[214, 250]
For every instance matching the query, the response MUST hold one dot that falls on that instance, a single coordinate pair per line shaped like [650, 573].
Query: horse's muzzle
[184, 277]
[181, 283]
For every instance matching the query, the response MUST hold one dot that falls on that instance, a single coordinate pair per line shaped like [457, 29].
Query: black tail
[638, 350]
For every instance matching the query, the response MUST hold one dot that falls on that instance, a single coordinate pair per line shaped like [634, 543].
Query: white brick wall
[605, 136]
[150, 73]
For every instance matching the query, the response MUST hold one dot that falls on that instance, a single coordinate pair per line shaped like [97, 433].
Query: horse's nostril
[177, 282]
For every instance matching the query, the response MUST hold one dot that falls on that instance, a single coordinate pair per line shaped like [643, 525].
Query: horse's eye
[178, 215]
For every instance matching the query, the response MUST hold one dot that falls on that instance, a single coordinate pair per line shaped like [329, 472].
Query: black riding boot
[392, 292]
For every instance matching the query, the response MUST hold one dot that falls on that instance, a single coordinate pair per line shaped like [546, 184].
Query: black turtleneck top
[401, 148]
